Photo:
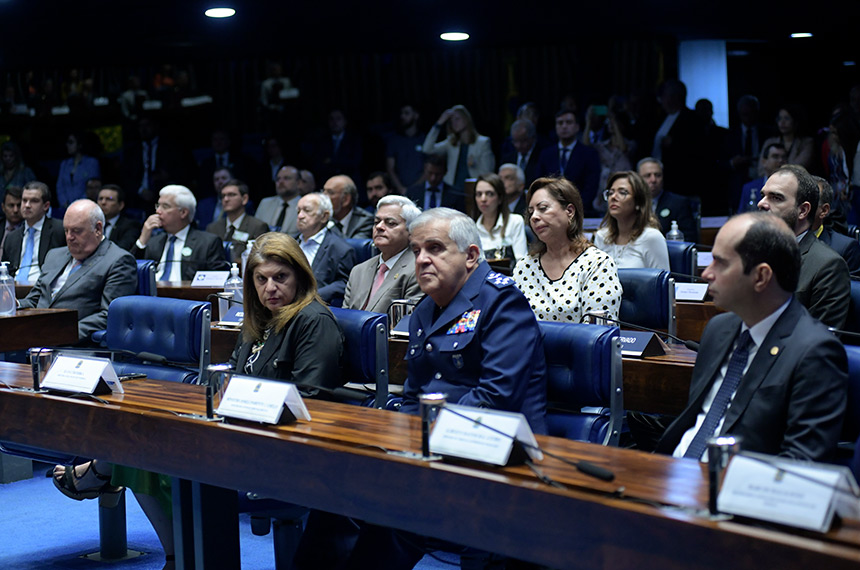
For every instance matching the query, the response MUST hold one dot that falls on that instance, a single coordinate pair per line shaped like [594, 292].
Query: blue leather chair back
[583, 371]
[365, 348]
[176, 329]
[853, 322]
[363, 248]
[851, 425]
[146, 278]
[682, 257]
[648, 299]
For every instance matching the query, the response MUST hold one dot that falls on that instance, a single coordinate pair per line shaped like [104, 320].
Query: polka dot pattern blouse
[590, 283]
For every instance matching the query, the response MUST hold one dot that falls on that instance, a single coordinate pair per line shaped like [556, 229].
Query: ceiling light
[454, 36]
[849, 63]
[801, 35]
[220, 12]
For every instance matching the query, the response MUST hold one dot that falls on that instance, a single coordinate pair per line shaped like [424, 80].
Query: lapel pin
[774, 350]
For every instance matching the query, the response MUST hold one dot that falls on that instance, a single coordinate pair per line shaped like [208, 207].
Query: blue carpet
[45, 530]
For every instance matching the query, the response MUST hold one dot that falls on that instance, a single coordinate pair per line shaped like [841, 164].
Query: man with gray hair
[87, 274]
[330, 257]
[374, 284]
[350, 221]
[526, 150]
[180, 250]
[515, 187]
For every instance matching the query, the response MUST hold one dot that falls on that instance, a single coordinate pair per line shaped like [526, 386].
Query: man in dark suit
[237, 227]
[120, 229]
[772, 158]
[578, 163]
[27, 246]
[846, 247]
[781, 370]
[743, 148]
[824, 287]
[150, 163]
[87, 275]
[433, 192]
[12, 218]
[526, 151]
[331, 258]
[181, 251]
[515, 188]
[338, 151]
[351, 222]
[223, 156]
[666, 205]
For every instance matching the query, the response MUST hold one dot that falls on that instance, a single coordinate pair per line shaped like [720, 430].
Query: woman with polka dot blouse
[565, 276]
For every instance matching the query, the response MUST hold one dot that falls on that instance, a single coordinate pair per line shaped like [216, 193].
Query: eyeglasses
[609, 193]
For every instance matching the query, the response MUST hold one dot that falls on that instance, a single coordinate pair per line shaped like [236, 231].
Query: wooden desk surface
[38, 327]
[691, 318]
[335, 463]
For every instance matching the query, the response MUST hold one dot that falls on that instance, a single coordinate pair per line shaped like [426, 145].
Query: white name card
[469, 437]
[89, 375]
[704, 259]
[210, 279]
[690, 291]
[784, 491]
[257, 400]
[714, 221]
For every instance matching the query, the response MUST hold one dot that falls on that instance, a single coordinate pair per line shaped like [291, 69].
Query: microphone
[585, 467]
[841, 332]
[691, 344]
[688, 276]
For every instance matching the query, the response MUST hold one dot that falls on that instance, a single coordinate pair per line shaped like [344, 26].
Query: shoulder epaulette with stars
[499, 280]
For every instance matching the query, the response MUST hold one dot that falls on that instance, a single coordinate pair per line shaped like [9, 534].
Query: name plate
[794, 493]
[210, 279]
[233, 316]
[705, 258]
[690, 291]
[464, 432]
[89, 375]
[258, 400]
[639, 343]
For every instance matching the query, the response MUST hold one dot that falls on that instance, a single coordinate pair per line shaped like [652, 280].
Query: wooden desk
[222, 343]
[333, 463]
[692, 317]
[187, 292]
[22, 291]
[38, 327]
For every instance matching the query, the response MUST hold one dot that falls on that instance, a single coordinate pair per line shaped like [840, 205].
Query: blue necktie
[23, 275]
[562, 160]
[168, 261]
[75, 267]
[432, 203]
[718, 408]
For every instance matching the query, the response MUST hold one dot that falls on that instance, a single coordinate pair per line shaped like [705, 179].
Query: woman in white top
[502, 232]
[565, 277]
[469, 154]
[630, 232]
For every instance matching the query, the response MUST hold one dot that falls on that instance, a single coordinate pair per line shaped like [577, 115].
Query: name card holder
[210, 279]
[82, 375]
[639, 344]
[264, 401]
[691, 291]
[788, 492]
[483, 435]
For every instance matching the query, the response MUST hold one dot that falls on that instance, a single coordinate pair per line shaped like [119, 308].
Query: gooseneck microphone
[691, 344]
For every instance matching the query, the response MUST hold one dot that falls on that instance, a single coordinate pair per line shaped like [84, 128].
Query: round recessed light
[849, 63]
[801, 35]
[454, 36]
[220, 12]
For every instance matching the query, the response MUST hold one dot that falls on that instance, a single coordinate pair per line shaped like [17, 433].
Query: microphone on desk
[688, 276]
[840, 332]
[691, 344]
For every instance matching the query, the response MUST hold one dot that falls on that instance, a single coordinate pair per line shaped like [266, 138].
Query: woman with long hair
[469, 154]
[502, 232]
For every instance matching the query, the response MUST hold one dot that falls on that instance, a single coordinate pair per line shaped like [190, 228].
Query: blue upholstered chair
[364, 249]
[683, 257]
[365, 350]
[853, 322]
[648, 299]
[146, 278]
[851, 424]
[583, 382]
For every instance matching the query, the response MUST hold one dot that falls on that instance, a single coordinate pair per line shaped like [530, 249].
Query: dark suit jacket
[683, 150]
[674, 207]
[172, 164]
[583, 169]
[250, 225]
[110, 272]
[450, 197]
[307, 351]
[532, 171]
[824, 287]
[52, 236]
[327, 163]
[360, 225]
[792, 398]
[847, 248]
[125, 233]
[332, 264]
[207, 252]
[241, 167]
[521, 206]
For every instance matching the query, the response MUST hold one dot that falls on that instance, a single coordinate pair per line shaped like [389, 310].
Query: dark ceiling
[39, 33]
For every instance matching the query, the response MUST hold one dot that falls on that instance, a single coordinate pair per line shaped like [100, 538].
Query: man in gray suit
[374, 284]
[352, 222]
[87, 274]
[331, 258]
[824, 287]
[279, 211]
[237, 227]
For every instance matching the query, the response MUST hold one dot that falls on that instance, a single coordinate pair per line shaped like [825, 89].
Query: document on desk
[258, 400]
[82, 375]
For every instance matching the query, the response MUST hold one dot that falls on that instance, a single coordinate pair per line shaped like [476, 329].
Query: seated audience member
[403, 157]
[279, 211]
[338, 151]
[93, 187]
[667, 206]
[772, 159]
[502, 232]
[434, 191]
[330, 257]
[379, 185]
[237, 228]
[27, 247]
[180, 250]
[846, 247]
[515, 188]
[824, 287]
[800, 149]
[87, 274]
[224, 156]
[767, 371]
[350, 221]
[467, 153]
[613, 149]
[12, 167]
[629, 231]
[209, 207]
[74, 172]
[120, 229]
[566, 276]
[307, 182]
[374, 284]
[525, 150]
[569, 159]
[11, 213]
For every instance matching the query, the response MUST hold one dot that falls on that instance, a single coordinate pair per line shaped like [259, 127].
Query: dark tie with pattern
[168, 260]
